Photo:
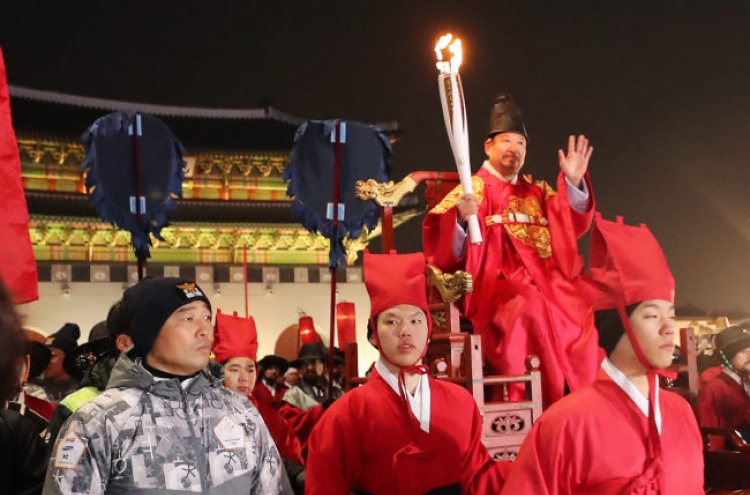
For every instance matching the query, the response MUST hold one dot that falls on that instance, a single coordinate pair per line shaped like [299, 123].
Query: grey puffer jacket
[160, 437]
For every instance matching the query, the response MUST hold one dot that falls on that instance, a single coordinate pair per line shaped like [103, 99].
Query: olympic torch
[454, 113]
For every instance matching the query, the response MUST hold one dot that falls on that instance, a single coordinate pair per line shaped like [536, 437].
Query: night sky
[662, 89]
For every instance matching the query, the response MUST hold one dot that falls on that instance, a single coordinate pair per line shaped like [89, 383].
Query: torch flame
[449, 66]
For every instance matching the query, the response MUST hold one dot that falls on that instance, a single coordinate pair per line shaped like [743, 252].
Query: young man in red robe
[235, 347]
[724, 398]
[403, 432]
[622, 434]
[527, 288]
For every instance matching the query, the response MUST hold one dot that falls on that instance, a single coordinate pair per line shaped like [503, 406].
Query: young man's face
[506, 152]
[402, 332]
[184, 342]
[653, 323]
[239, 375]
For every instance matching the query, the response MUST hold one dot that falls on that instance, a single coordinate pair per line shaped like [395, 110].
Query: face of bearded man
[741, 362]
[271, 375]
[313, 372]
[506, 153]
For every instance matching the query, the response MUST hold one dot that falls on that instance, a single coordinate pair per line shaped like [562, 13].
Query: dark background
[662, 89]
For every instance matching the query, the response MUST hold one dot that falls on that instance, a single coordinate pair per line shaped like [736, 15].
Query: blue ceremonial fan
[364, 153]
[131, 155]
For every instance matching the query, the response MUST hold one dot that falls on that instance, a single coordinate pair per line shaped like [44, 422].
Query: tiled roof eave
[154, 109]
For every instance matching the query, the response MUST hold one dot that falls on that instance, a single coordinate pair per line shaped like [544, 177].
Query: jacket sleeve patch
[69, 451]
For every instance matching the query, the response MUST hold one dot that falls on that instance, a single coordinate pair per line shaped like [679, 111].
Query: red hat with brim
[234, 336]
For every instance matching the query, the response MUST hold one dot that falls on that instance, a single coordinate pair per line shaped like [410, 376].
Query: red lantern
[346, 323]
[307, 332]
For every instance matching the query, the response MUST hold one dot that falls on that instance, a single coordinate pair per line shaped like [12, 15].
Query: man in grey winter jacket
[164, 425]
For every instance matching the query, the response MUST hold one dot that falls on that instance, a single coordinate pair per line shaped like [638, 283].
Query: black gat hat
[505, 116]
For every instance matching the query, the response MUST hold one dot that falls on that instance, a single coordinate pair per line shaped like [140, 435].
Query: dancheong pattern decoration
[53, 166]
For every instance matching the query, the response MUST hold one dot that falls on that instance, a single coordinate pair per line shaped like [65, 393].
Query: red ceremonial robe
[282, 434]
[365, 443]
[263, 394]
[301, 422]
[723, 403]
[594, 442]
[527, 296]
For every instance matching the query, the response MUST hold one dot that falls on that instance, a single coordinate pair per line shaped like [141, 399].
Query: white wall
[88, 303]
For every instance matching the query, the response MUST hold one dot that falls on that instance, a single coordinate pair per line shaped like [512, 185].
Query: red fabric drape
[18, 269]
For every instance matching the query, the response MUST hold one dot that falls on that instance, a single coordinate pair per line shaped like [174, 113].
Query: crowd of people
[169, 396]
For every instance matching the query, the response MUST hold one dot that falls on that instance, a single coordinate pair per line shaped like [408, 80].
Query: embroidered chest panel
[534, 235]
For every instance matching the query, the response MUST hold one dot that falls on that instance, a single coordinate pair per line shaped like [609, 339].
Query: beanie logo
[190, 290]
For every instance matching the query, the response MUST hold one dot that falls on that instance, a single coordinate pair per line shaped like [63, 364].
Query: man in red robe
[622, 434]
[724, 398]
[403, 432]
[527, 290]
[305, 403]
[235, 347]
[268, 389]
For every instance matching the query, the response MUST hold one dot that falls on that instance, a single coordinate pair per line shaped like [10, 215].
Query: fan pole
[137, 130]
[333, 269]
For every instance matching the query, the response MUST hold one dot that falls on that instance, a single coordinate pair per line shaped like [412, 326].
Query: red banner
[18, 266]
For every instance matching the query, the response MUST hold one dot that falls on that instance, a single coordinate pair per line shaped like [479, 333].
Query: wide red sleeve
[285, 439]
[301, 422]
[439, 228]
[710, 406]
[567, 225]
[334, 454]
[708, 413]
[539, 467]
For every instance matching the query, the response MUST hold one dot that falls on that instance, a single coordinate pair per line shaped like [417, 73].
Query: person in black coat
[23, 454]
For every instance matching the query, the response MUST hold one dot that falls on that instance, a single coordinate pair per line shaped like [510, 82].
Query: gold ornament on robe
[531, 234]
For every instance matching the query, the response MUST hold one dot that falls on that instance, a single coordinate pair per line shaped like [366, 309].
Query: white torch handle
[464, 175]
[458, 135]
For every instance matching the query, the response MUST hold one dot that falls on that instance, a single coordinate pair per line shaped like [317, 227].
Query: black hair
[610, 327]
[116, 324]
[370, 328]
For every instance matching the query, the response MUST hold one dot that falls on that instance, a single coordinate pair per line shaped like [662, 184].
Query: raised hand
[575, 163]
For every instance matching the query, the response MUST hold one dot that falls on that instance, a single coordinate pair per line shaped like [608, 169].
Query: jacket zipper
[200, 464]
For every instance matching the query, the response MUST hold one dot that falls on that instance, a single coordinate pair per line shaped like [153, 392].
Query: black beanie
[147, 305]
[65, 339]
